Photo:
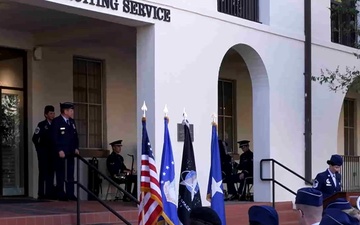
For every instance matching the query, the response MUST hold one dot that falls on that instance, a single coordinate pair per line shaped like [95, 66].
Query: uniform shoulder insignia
[315, 184]
[37, 130]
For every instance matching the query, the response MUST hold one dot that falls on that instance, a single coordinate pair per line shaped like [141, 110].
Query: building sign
[131, 7]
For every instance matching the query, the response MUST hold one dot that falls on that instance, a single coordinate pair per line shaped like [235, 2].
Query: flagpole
[144, 109]
[167, 120]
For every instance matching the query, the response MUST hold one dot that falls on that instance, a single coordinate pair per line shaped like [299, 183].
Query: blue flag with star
[167, 181]
[215, 192]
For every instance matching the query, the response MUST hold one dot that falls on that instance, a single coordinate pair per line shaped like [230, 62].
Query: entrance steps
[64, 213]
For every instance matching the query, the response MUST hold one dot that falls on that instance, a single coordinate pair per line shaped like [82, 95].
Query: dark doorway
[13, 127]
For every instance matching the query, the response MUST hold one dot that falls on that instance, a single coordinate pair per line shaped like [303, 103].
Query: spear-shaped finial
[144, 109]
[213, 116]
[166, 110]
[184, 114]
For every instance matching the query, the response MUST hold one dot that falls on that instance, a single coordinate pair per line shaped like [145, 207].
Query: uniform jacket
[65, 137]
[324, 183]
[42, 137]
[115, 164]
[246, 163]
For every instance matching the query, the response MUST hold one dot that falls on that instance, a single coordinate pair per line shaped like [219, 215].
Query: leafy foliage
[344, 15]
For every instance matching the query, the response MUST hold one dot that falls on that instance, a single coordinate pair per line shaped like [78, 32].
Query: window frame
[88, 104]
[234, 149]
[347, 128]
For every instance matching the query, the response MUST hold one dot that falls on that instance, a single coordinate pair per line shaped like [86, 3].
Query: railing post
[77, 190]
[273, 183]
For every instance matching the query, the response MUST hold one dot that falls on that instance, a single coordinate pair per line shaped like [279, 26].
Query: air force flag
[215, 188]
[167, 181]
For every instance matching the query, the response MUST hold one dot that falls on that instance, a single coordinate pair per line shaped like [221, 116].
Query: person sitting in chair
[246, 167]
[118, 171]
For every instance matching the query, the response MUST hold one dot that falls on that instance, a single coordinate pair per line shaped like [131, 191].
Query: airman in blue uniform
[329, 181]
[118, 171]
[66, 143]
[246, 166]
[44, 149]
[334, 216]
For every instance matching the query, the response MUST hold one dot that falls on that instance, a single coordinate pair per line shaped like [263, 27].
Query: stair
[64, 213]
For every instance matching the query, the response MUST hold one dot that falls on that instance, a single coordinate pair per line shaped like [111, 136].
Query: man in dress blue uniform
[247, 170]
[118, 171]
[42, 141]
[309, 203]
[334, 216]
[66, 143]
[329, 181]
[263, 215]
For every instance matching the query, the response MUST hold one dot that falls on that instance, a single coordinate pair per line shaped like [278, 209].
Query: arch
[260, 114]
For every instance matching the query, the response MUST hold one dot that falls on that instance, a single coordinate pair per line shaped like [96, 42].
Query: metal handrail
[274, 181]
[79, 185]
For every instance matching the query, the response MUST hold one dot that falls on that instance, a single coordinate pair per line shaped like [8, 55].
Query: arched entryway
[244, 108]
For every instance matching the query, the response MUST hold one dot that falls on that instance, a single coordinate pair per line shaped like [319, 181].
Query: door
[12, 124]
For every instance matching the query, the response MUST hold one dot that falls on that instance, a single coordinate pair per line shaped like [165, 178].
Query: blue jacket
[65, 137]
[324, 183]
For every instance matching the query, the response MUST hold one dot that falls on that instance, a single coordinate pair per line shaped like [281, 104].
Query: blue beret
[336, 217]
[205, 215]
[309, 196]
[339, 203]
[263, 214]
[67, 105]
[335, 160]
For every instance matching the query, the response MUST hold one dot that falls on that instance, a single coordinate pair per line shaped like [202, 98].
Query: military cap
[335, 160]
[205, 215]
[309, 196]
[118, 142]
[339, 203]
[243, 142]
[263, 215]
[337, 217]
[67, 105]
[49, 108]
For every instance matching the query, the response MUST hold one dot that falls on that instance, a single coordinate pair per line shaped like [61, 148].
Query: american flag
[151, 207]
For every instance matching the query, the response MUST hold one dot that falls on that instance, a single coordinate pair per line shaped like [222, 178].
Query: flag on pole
[150, 207]
[189, 192]
[167, 181]
[215, 192]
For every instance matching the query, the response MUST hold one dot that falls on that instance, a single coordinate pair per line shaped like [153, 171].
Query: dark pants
[60, 177]
[231, 180]
[46, 174]
[128, 181]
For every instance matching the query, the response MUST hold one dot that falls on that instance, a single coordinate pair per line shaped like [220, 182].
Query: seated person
[334, 216]
[246, 167]
[118, 171]
[345, 206]
[226, 164]
[263, 215]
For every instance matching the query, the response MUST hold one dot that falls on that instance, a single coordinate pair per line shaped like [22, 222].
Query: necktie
[68, 122]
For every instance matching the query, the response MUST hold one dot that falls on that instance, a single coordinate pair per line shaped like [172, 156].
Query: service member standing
[42, 141]
[66, 143]
[118, 171]
[329, 181]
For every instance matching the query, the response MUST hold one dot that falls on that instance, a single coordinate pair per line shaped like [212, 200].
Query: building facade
[243, 60]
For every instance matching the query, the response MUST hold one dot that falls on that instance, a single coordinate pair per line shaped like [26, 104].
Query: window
[226, 111]
[88, 100]
[344, 22]
[349, 127]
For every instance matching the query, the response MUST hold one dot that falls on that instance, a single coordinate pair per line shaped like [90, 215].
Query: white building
[108, 56]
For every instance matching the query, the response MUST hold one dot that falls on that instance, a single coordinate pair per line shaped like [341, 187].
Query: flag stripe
[151, 207]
